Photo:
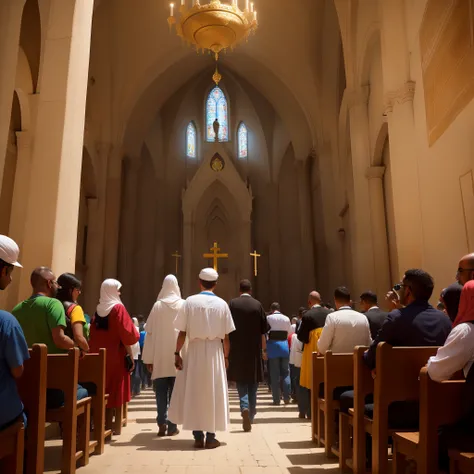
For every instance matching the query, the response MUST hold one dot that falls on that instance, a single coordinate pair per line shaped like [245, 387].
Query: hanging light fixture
[215, 26]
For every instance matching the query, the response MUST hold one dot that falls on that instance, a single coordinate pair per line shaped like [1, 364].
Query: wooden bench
[354, 421]
[74, 415]
[440, 404]
[32, 390]
[338, 372]
[317, 379]
[12, 446]
[461, 463]
[397, 376]
[92, 370]
[116, 419]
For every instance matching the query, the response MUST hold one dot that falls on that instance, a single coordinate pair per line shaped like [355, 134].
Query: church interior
[355, 127]
[332, 146]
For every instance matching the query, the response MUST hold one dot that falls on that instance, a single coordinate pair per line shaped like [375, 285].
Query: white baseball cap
[208, 274]
[9, 251]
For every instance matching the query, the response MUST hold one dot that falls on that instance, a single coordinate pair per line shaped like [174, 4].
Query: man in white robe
[158, 350]
[200, 399]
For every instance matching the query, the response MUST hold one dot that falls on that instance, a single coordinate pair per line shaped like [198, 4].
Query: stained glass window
[216, 107]
[243, 137]
[191, 140]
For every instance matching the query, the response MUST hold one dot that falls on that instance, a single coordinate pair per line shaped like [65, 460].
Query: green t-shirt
[38, 316]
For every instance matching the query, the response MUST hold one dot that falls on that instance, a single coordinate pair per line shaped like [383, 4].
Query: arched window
[243, 137]
[216, 107]
[191, 140]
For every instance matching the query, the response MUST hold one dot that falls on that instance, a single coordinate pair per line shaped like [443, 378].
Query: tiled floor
[279, 443]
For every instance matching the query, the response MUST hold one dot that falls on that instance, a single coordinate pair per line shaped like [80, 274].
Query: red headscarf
[466, 305]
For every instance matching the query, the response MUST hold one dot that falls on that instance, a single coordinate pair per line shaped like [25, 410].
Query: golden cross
[177, 256]
[215, 255]
[255, 256]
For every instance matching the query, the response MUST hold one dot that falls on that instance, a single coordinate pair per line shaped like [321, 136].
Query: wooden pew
[354, 421]
[316, 379]
[440, 404]
[338, 372]
[12, 446]
[92, 370]
[398, 370]
[74, 415]
[32, 389]
[461, 463]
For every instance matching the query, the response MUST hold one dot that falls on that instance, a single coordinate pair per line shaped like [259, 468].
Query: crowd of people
[189, 349]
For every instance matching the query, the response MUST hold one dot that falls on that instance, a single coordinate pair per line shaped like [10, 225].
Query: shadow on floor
[317, 470]
[147, 407]
[271, 420]
[150, 442]
[308, 459]
[288, 409]
[297, 445]
[52, 458]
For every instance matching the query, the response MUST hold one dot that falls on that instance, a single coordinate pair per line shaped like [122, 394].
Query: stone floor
[279, 443]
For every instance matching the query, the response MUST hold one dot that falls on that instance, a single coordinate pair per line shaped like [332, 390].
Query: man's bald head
[44, 282]
[314, 298]
[465, 271]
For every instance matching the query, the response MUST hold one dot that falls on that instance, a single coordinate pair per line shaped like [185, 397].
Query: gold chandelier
[214, 26]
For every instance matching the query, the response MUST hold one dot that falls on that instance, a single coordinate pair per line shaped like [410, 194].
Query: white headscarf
[135, 321]
[109, 297]
[170, 293]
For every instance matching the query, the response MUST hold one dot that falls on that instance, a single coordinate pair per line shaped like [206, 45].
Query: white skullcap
[208, 274]
[9, 251]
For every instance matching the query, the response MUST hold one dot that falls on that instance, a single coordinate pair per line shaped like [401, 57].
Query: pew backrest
[318, 373]
[397, 373]
[363, 381]
[32, 389]
[338, 372]
[92, 369]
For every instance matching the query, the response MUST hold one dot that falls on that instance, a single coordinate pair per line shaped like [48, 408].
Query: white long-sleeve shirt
[456, 354]
[344, 330]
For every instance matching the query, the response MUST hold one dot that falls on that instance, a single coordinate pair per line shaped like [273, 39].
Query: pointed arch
[243, 140]
[216, 108]
[191, 140]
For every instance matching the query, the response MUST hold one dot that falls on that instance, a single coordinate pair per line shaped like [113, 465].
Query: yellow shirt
[77, 315]
[307, 361]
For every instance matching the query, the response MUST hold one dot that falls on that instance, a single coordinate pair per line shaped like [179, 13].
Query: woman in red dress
[112, 328]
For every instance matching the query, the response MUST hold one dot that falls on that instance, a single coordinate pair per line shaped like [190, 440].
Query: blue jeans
[280, 372]
[163, 388]
[136, 379]
[55, 397]
[248, 397]
[199, 436]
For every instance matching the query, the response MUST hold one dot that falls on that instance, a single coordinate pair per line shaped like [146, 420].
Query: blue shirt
[142, 339]
[13, 353]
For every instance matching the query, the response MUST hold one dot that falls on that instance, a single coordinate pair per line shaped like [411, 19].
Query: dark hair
[245, 286]
[451, 296]
[420, 283]
[301, 310]
[68, 282]
[369, 297]
[208, 285]
[327, 306]
[4, 264]
[342, 294]
[275, 307]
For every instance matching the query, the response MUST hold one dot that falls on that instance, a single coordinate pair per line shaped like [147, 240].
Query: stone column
[10, 25]
[51, 216]
[306, 229]
[113, 199]
[363, 264]
[405, 180]
[19, 205]
[246, 268]
[127, 250]
[187, 261]
[379, 230]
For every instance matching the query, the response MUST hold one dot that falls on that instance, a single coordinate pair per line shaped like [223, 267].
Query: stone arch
[382, 137]
[30, 38]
